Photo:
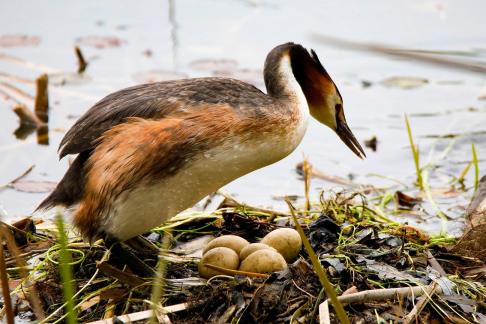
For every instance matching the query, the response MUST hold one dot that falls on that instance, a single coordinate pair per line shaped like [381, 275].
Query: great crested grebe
[148, 152]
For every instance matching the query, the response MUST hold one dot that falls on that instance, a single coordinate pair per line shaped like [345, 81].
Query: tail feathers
[69, 190]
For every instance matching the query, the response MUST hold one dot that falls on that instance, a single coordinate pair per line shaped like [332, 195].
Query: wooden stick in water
[82, 64]
[42, 98]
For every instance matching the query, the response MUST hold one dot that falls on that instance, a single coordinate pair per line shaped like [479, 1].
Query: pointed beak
[348, 138]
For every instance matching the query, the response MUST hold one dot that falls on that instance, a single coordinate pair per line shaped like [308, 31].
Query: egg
[263, 261]
[219, 256]
[286, 241]
[233, 242]
[250, 248]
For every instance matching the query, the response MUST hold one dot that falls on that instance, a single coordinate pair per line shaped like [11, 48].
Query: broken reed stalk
[307, 169]
[7, 302]
[82, 64]
[415, 153]
[331, 293]
[27, 117]
[42, 98]
[476, 167]
[375, 295]
[65, 270]
[159, 280]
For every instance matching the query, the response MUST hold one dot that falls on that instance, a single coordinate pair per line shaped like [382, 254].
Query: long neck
[279, 79]
[281, 83]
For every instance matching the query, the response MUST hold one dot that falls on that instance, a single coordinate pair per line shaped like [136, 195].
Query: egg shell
[221, 257]
[233, 242]
[286, 241]
[250, 248]
[263, 261]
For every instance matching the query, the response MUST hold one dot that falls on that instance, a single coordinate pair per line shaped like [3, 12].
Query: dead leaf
[405, 200]
[100, 42]
[18, 40]
[385, 271]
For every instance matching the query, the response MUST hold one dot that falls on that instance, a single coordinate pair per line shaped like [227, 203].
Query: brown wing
[155, 101]
[147, 101]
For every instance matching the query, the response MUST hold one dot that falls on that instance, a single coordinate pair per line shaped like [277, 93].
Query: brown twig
[42, 98]
[236, 272]
[11, 182]
[7, 302]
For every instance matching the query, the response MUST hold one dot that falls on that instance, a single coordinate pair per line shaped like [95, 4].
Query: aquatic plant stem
[428, 193]
[65, 270]
[476, 167]
[331, 293]
[307, 169]
[415, 153]
[159, 281]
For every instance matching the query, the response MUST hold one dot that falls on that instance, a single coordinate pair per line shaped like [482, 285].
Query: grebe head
[322, 95]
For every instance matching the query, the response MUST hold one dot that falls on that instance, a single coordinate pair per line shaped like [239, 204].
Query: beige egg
[286, 241]
[233, 242]
[263, 261]
[250, 248]
[219, 256]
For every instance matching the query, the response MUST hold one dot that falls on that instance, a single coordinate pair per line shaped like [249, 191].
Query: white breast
[146, 207]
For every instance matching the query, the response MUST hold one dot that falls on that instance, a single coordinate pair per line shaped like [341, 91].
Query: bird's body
[151, 151]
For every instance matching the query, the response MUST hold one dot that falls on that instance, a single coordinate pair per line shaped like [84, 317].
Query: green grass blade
[464, 172]
[65, 270]
[415, 153]
[159, 280]
[331, 293]
[476, 167]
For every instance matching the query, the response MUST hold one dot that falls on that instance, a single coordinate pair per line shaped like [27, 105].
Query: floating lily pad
[100, 42]
[18, 40]
[404, 82]
[157, 76]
